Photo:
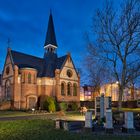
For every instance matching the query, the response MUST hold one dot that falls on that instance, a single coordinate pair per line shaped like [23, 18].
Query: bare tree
[98, 73]
[117, 41]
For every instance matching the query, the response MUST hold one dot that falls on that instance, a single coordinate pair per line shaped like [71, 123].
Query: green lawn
[128, 109]
[13, 113]
[44, 130]
[53, 116]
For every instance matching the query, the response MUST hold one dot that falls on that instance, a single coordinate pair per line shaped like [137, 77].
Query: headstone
[57, 124]
[109, 122]
[66, 125]
[129, 123]
[102, 107]
[107, 104]
[88, 121]
[99, 107]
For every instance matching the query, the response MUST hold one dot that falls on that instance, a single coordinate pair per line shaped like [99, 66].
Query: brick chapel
[25, 77]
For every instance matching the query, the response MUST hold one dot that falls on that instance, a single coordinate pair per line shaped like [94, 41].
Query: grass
[13, 113]
[128, 109]
[53, 116]
[68, 114]
[44, 130]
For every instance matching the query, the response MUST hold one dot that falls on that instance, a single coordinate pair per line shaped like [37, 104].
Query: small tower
[50, 44]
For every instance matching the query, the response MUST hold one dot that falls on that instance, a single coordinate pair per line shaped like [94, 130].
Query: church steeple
[50, 42]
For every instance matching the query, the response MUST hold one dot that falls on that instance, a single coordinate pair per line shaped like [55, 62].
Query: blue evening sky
[25, 23]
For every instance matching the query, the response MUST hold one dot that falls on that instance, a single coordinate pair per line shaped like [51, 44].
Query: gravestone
[99, 107]
[109, 122]
[66, 126]
[57, 124]
[129, 122]
[102, 106]
[107, 104]
[88, 121]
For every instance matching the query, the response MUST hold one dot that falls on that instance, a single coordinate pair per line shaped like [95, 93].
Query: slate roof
[60, 61]
[45, 66]
[50, 35]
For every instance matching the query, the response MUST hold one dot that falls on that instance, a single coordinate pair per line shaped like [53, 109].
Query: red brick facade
[26, 87]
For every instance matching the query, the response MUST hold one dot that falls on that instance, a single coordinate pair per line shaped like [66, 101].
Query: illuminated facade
[87, 93]
[112, 90]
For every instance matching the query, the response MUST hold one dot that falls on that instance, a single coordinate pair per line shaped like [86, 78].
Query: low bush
[74, 106]
[63, 106]
[48, 104]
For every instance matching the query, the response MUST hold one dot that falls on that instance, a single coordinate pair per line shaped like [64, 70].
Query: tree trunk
[120, 97]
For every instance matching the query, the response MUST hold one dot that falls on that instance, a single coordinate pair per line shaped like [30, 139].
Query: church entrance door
[32, 102]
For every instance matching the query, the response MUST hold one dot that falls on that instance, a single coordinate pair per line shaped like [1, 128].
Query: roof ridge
[62, 56]
[26, 54]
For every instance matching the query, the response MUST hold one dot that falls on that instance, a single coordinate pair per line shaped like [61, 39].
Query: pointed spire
[50, 35]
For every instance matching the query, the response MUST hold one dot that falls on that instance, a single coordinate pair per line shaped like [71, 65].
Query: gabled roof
[60, 61]
[50, 35]
[24, 60]
[45, 66]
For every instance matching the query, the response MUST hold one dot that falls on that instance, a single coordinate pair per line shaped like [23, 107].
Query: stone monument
[99, 107]
[129, 123]
[102, 106]
[88, 121]
[109, 122]
[57, 124]
[107, 104]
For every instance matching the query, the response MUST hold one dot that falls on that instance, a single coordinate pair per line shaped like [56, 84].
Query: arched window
[23, 77]
[7, 90]
[34, 78]
[74, 89]
[62, 89]
[29, 78]
[69, 89]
